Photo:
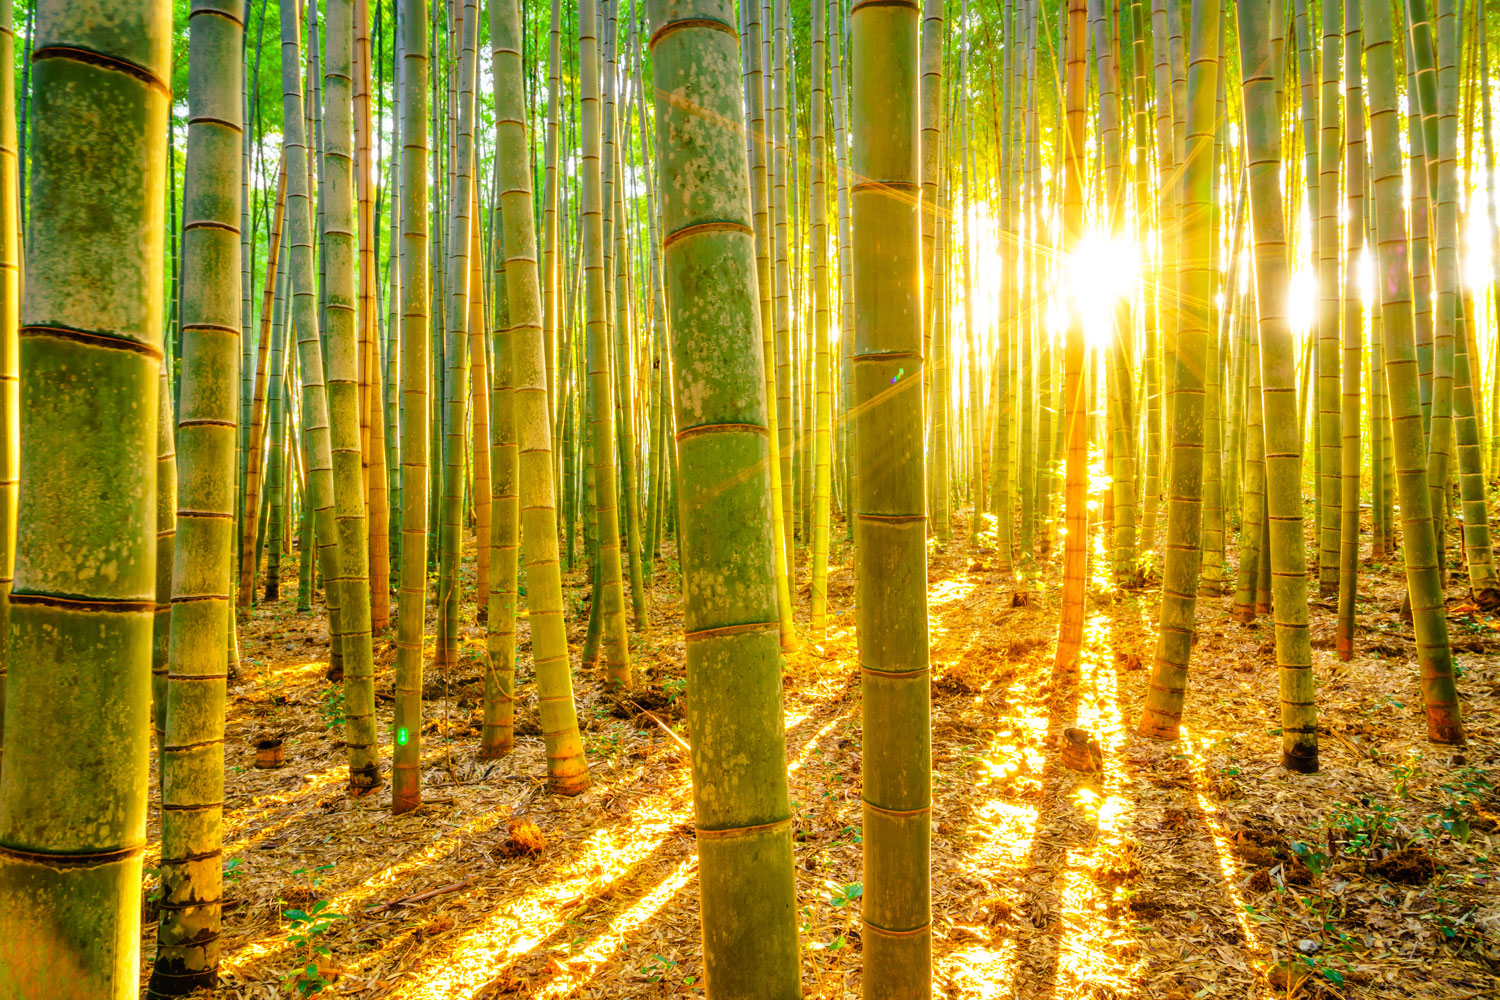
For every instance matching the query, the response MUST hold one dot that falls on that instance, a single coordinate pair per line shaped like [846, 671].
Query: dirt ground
[1191, 869]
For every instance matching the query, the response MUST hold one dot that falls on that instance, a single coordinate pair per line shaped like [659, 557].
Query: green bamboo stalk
[1184, 548]
[393, 366]
[455, 388]
[781, 298]
[758, 141]
[406, 793]
[1446, 276]
[1423, 573]
[1354, 319]
[890, 547]
[610, 593]
[822, 362]
[1252, 523]
[1073, 426]
[275, 421]
[1282, 536]
[1012, 254]
[838, 19]
[731, 621]
[1423, 194]
[165, 534]
[1121, 417]
[501, 532]
[567, 771]
[10, 306]
[1167, 298]
[1326, 259]
[78, 698]
[336, 200]
[930, 108]
[623, 334]
[1483, 583]
[192, 747]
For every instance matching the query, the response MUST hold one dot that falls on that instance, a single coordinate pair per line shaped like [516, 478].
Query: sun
[1103, 270]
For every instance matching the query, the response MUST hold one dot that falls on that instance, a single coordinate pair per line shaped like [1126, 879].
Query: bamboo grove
[1184, 295]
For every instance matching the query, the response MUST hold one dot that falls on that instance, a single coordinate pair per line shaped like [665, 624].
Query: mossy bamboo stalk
[502, 529]
[340, 296]
[78, 693]
[731, 619]
[192, 750]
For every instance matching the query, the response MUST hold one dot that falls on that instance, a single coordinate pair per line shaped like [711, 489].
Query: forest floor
[1191, 869]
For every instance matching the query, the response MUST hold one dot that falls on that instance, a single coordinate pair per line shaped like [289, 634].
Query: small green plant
[1404, 774]
[1315, 860]
[1358, 828]
[332, 707]
[305, 930]
[660, 967]
[846, 894]
[1469, 786]
[674, 688]
[1318, 966]
[232, 868]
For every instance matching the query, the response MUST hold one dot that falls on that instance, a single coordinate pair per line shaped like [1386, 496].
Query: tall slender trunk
[890, 543]
[610, 593]
[406, 790]
[1354, 241]
[758, 141]
[1282, 553]
[1326, 205]
[822, 364]
[1184, 551]
[192, 745]
[567, 771]
[339, 293]
[1074, 390]
[1423, 573]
